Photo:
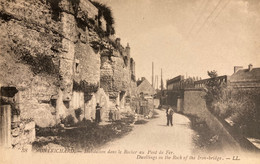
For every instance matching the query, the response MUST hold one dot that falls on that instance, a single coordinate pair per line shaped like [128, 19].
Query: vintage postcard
[129, 81]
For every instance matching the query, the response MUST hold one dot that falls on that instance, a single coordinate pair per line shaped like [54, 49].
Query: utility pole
[161, 81]
[152, 75]
[157, 82]
[153, 82]
[161, 95]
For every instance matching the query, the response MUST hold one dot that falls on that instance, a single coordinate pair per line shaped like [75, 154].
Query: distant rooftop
[246, 74]
[139, 81]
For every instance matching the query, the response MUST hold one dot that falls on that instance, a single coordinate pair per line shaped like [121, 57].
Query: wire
[212, 12]
[198, 18]
[225, 5]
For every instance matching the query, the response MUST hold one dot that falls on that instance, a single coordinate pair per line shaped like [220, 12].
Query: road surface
[155, 135]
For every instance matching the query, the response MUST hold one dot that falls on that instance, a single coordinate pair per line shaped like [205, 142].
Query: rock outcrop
[57, 56]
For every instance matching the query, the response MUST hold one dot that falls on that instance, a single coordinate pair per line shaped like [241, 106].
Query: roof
[145, 87]
[139, 82]
[246, 75]
[142, 80]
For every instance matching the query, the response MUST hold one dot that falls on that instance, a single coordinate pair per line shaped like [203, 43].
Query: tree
[212, 74]
[213, 89]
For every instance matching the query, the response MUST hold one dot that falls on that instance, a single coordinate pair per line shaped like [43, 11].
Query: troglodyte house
[59, 56]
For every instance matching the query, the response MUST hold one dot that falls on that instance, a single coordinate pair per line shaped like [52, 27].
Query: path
[155, 135]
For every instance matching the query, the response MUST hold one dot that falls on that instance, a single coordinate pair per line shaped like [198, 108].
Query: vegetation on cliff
[239, 107]
[105, 11]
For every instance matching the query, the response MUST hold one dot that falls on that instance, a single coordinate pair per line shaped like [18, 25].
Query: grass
[84, 136]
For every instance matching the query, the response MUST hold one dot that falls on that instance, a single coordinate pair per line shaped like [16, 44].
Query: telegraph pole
[157, 82]
[161, 94]
[152, 75]
[153, 83]
[161, 81]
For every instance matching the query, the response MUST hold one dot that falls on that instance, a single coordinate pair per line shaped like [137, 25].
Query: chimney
[250, 67]
[236, 68]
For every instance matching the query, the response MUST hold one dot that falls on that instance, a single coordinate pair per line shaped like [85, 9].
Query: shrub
[241, 106]
[68, 120]
[138, 122]
[78, 112]
[245, 110]
[107, 13]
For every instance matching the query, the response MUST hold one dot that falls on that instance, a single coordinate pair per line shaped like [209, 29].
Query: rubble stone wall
[115, 74]
[106, 74]
[22, 133]
[116, 78]
[121, 74]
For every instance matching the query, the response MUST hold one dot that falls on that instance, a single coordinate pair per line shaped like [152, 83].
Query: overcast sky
[189, 36]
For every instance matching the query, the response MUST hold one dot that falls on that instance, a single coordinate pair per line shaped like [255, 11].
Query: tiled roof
[246, 75]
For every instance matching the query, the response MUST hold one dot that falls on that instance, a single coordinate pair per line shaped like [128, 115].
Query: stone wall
[114, 72]
[107, 73]
[121, 74]
[22, 133]
[195, 104]
[116, 76]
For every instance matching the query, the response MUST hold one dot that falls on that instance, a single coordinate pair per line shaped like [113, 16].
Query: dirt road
[155, 135]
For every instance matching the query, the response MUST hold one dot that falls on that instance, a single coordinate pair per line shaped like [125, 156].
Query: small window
[53, 102]
[76, 66]
[66, 104]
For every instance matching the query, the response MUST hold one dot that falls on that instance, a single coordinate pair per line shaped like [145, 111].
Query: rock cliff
[57, 55]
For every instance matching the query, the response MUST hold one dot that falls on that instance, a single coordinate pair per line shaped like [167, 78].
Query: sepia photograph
[129, 81]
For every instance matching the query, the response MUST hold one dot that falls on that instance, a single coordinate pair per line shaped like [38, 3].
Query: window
[76, 66]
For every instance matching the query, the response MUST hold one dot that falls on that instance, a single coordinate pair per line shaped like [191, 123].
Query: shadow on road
[162, 125]
[181, 124]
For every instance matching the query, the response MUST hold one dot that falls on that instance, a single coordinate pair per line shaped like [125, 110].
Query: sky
[188, 37]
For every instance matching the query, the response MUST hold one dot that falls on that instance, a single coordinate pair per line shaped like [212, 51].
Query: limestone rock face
[44, 48]
[50, 49]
